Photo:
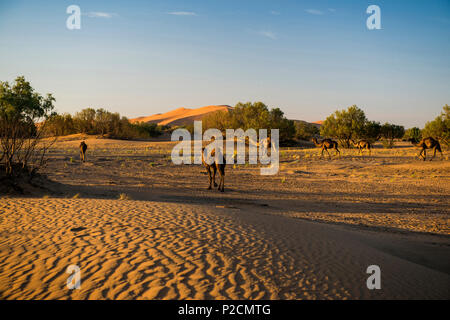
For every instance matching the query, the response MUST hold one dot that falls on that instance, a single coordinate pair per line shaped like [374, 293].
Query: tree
[439, 128]
[59, 125]
[305, 130]
[251, 116]
[413, 134]
[371, 131]
[390, 132]
[345, 125]
[21, 128]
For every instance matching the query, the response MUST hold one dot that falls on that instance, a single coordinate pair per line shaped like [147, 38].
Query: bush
[22, 151]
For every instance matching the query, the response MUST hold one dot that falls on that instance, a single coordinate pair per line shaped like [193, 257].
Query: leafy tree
[345, 125]
[251, 116]
[60, 125]
[439, 128]
[390, 132]
[371, 131]
[85, 121]
[277, 120]
[413, 134]
[305, 130]
[21, 109]
[219, 119]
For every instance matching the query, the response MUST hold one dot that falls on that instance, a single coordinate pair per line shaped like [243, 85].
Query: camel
[83, 148]
[326, 144]
[215, 166]
[363, 144]
[427, 143]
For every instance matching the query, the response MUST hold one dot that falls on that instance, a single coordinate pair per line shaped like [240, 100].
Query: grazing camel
[215, 166]
[427, 143]
[363, 144]
[83, 148]
[326, 144]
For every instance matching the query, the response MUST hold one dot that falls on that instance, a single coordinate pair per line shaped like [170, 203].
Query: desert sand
[140, 227]
[181, 116]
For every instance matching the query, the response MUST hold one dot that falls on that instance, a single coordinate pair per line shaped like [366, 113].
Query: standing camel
[326, 144]
[83, 148]
[427, 143]
[215, 166]
[363, 144]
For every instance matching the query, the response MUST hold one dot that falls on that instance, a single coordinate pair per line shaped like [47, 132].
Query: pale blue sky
[307, 57]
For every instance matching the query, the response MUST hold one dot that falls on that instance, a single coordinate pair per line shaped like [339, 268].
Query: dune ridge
[181, 116]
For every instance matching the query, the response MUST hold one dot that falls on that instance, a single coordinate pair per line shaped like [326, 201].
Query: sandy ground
[309, 232]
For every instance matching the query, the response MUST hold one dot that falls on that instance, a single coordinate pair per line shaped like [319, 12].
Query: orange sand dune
[181, 116]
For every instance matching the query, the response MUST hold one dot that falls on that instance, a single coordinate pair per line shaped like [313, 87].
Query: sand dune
[154, 250]
[181, 116]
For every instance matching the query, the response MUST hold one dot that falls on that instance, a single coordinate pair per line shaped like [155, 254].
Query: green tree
[390, 132]
[439, 128]
[251, 116]
[21, 109]
[59, 125]
[345, 125]
[305, 130]
[413, 134]
[371, 131]
[85, 121]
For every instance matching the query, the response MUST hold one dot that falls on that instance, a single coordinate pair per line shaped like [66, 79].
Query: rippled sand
[160, 250]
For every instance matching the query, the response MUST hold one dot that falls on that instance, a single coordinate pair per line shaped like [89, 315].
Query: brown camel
[428, 143]
[83, 148]
[326, 144]
[215, 166]
[363, 144]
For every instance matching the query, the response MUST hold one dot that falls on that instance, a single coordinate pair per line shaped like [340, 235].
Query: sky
[308, 58]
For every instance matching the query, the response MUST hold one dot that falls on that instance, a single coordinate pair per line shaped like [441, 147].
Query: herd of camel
[325, 145]
[424, 144]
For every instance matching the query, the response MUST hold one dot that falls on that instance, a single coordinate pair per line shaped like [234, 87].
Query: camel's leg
[208, 168]
[214, 176]
[424, 154]
[338, 153]
[222, 182]
[81, 156]
[420, 154]
[434, 155]
[329, 155]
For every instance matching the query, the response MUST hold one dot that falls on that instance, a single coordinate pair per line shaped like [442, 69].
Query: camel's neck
[317, 143]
